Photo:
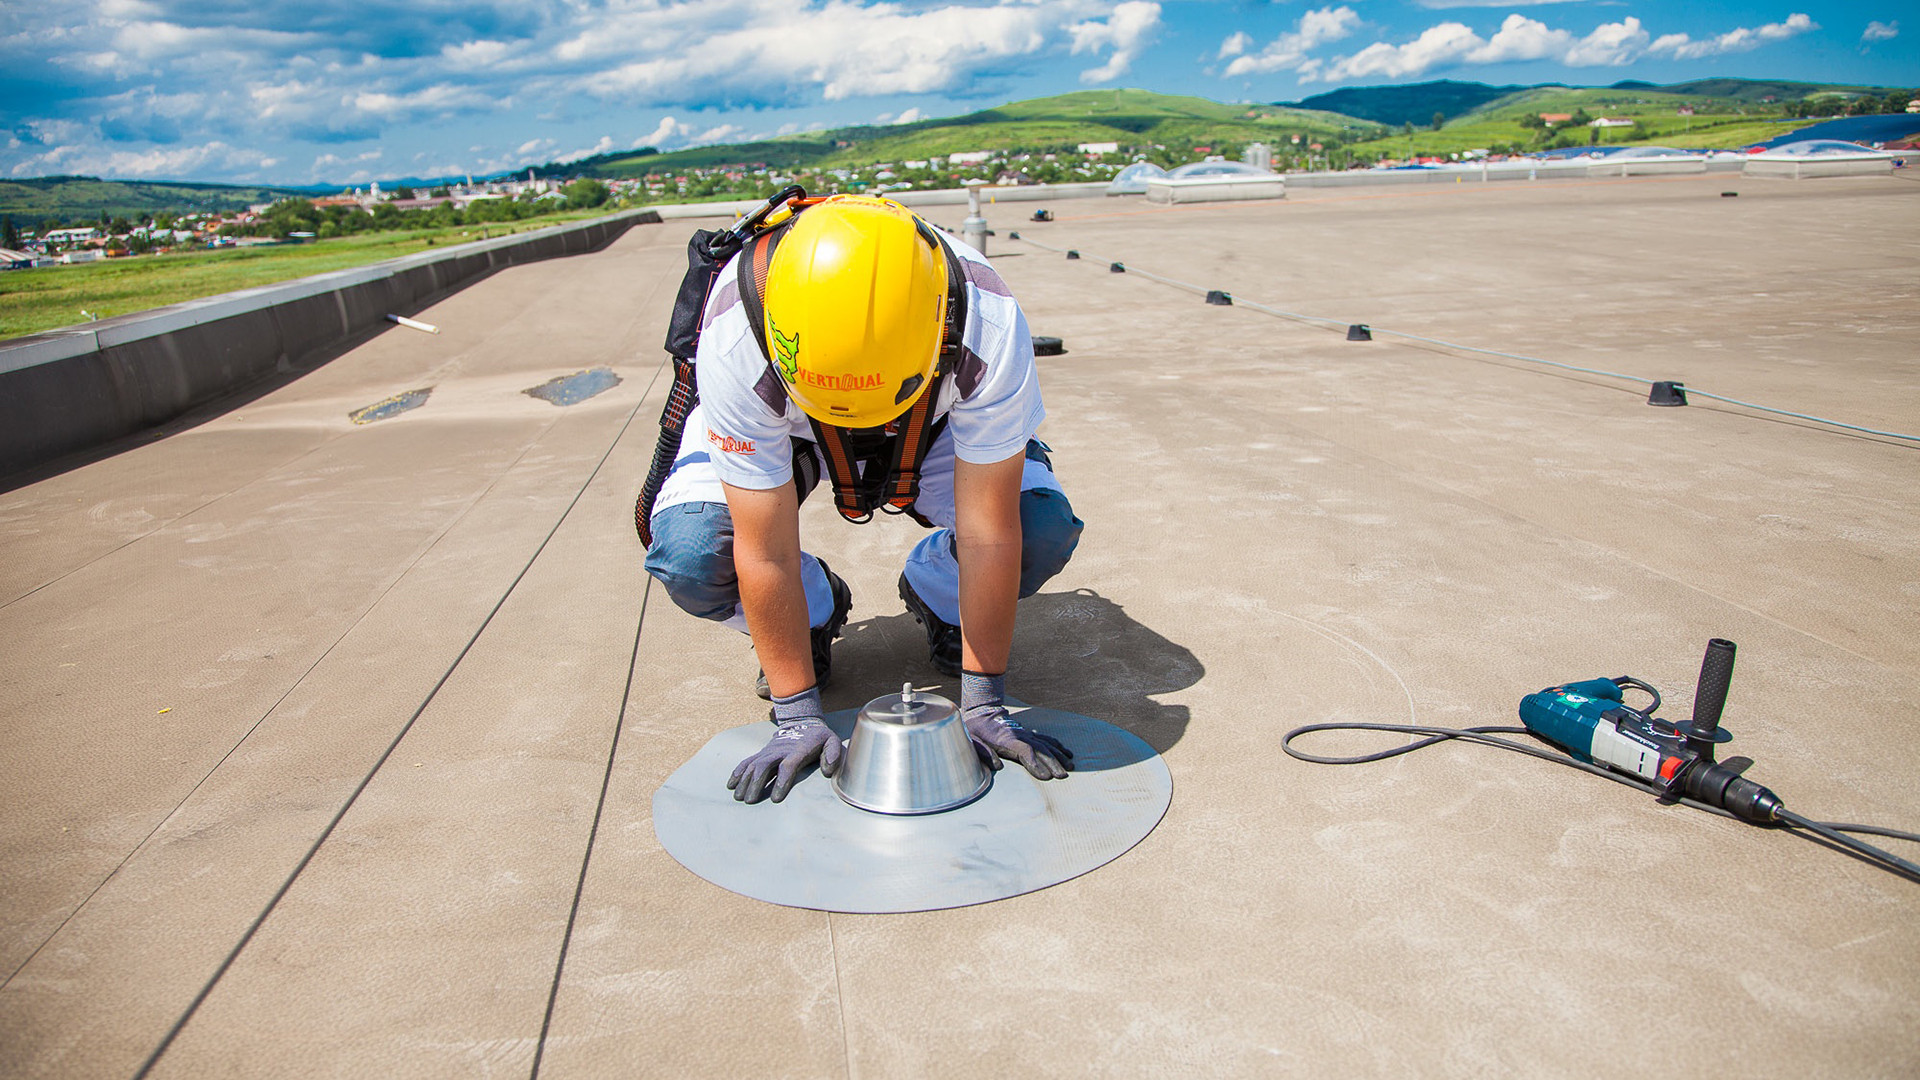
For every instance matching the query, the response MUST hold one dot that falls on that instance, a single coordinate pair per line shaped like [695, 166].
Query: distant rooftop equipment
[1260, 156]
[1132, 180]
[1812, 158]
[1216, 181]
[1648, 161]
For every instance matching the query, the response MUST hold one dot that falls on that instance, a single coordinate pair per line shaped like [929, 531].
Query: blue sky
[346, 92]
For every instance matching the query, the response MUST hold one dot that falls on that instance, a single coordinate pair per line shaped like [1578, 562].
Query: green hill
[85, 198]
[1132, 118]
[1412, 104]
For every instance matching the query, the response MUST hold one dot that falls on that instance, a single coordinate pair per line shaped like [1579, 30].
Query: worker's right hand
[802, 739]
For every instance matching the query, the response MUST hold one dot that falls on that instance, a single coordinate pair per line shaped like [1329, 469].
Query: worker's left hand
[983, 708]
[996, 736]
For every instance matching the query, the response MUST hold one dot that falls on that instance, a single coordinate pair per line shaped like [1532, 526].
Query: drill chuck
[1716, 785]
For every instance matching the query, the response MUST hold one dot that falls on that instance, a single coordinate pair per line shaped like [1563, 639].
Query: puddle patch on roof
[573, 389]
[393, 406]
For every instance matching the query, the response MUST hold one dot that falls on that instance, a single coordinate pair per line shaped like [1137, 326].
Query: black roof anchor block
[1072, 254]
[1359, 332]
[1668, 394]
[1219, 298]
[1116, 268]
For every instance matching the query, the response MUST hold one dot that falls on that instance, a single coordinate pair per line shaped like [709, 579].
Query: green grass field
[55, 296]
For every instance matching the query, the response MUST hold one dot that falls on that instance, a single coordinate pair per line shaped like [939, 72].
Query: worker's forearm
[766, 559]
[989, 589]
[987, 540]
[776, 608]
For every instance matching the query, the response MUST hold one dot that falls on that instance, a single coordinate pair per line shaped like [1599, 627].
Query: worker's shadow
[1077, 652]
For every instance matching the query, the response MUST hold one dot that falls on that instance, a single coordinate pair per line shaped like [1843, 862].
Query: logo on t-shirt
[730, 445]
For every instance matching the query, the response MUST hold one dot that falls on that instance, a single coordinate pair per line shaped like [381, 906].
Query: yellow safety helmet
[855, 309]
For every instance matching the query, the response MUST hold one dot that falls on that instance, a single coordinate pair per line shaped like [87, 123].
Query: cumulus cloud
[668, 131]
[838, 49]
[171, 162]
[1613, 44]
[1127, 31]
[1521, 38]
[1288, 51]
[910, 116]
[1880, 31]
[603, 146]
[1680, 47]
[1235, 44]
[1610, 44]
[273, 74]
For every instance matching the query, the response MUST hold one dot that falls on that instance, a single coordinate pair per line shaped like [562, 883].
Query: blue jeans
[692, 555]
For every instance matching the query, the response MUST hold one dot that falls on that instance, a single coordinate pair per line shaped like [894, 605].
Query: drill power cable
[1831, 833]
[1342, 324]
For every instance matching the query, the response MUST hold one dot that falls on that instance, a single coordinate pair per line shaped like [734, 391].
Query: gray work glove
[802, 739]
[995, 735]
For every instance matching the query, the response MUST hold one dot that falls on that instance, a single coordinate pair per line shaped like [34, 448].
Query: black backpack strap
[752, 265]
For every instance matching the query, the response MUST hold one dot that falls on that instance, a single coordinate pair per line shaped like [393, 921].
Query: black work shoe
[943, 638]
[822, 635]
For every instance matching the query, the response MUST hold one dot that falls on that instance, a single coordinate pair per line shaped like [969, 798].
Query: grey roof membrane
[331, 748]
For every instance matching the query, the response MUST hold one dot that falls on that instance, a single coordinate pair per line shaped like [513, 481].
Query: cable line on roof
[1343, 324]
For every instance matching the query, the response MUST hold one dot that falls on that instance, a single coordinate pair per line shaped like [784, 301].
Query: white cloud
[1288, 51]
[1521, 38]
[161, 162]
[668, 130]
[1127, 31]
[437, 99]
[718, 134]
[1610, 44]
[1880, 31]
[1680, 47]
[1235, 44]
[1437, 46]
[910, 116]
[837, 49]
[603, 146]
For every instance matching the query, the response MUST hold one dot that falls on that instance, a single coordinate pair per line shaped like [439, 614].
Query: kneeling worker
[854, 340]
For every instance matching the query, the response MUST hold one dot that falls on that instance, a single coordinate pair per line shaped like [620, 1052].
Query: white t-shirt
[991, 399]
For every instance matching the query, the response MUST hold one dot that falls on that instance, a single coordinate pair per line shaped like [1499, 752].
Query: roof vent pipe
[973, 231]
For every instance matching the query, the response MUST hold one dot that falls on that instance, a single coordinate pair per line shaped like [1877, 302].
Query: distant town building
[70, 236]
[969, 157]
[1099, 147]
[1258, 155]
[1551, 118]
[1611, 122]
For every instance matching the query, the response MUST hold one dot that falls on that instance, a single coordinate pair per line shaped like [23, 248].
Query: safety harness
[871, 468]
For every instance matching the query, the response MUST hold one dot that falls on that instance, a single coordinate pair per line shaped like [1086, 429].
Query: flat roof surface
[219, 640]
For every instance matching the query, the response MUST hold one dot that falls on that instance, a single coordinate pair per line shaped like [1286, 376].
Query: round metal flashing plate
[815, 851]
